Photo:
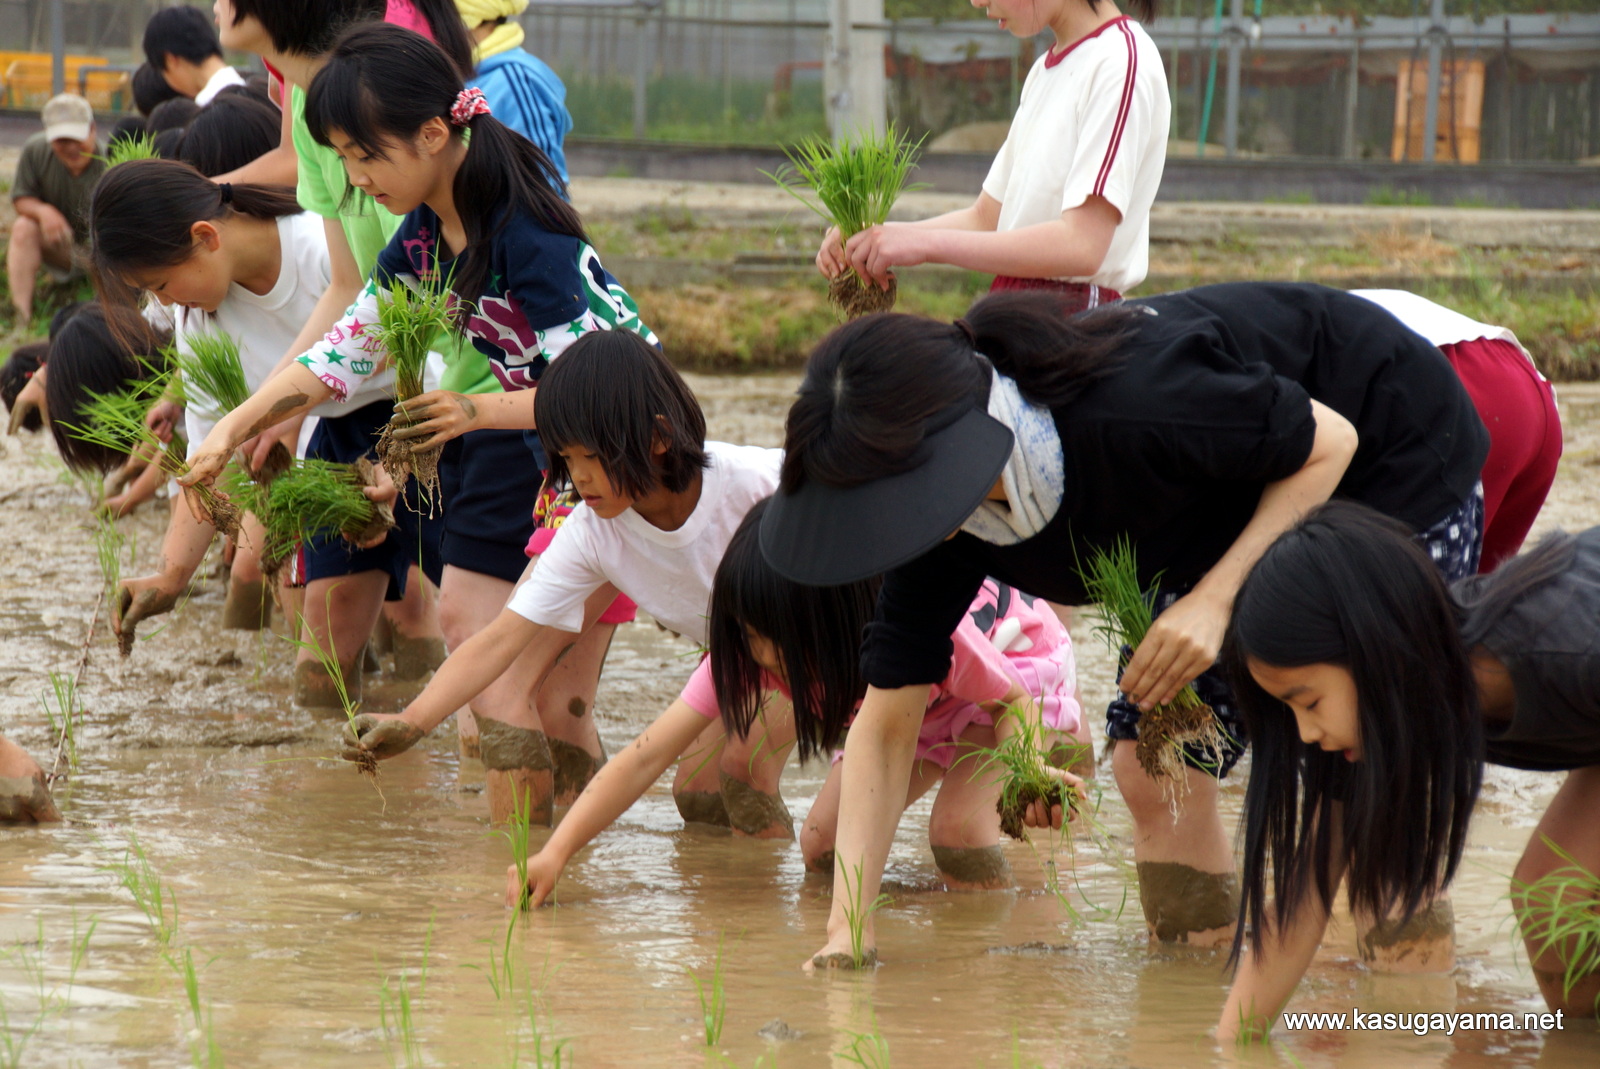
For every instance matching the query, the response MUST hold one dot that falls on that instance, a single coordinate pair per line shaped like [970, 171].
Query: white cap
[67, 116]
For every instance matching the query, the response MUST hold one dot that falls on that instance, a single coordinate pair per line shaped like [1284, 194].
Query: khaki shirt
[40, 174]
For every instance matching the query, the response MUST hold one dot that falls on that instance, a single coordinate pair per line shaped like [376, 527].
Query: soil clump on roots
[400, 459]
[1013, 804]
[1166, 730]
[856, 298]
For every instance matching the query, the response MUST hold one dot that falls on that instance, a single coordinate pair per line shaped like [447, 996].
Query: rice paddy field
[222, 893]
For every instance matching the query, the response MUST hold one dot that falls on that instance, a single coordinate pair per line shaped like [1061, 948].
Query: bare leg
[1569, 823]
[821, 826]
[23, 260]
[248, 606]
[416, 639]
[964, 828]
[1187, 885]
[750, 769]
[340, 611]
[566, 706]
[697, 783]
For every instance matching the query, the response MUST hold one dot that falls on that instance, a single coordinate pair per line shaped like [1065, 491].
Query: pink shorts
[549, 512]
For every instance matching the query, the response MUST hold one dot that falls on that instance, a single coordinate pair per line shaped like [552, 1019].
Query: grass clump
[115, 421]
[210, 377]
[204, 1053]
[1561, 912]
[397, 1007]
[313, 498]
[409, 318]
[139, 146]
[1128, 611]
[851, 185]
[1023, 762]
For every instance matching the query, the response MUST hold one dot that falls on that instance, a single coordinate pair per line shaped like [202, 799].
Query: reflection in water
[301, 892]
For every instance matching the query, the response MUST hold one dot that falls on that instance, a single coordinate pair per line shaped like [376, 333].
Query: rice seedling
[1561, 912]
[140, 146]
[867, 1049]
[15, 1037]
[1023, 764]
[852, 186]
[210, 376]
[713, 1000]
[548, 1052]
[153, 897]
[204, 1053]
[328, 657]
[516, 832]
[1127, 613]
[397, 1008]
[116, 421]
[60, 703]
[312, 498]
[409, 319]
[856, 916]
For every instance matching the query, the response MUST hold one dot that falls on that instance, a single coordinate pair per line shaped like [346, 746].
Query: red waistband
[1080, 296]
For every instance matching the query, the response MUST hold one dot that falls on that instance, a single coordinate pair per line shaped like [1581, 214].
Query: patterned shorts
[1454, 544]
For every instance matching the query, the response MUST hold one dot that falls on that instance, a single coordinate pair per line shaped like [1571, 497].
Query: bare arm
[981, 214]
[878, 752]
[52, 223]
[440, 415]
[1185, 639]
[619, 783]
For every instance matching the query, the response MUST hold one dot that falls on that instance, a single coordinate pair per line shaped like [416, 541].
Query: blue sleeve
[527, 96]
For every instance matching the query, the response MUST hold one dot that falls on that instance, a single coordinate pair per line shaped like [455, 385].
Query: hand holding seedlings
[543, 872]
[434, 418]
[163, 417]
[1181, 644]
[874, 252]
[139, 599]
[378, 736]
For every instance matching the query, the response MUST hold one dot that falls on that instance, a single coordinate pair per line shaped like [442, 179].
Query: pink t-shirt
[1005, 638]
[404, 13]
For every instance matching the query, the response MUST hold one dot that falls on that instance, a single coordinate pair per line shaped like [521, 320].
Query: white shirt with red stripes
[1092, 121]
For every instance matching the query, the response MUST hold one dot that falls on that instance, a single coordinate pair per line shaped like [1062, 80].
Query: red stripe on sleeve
[1123, 108]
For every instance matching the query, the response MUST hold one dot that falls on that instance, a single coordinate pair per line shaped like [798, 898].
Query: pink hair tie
[469, 103]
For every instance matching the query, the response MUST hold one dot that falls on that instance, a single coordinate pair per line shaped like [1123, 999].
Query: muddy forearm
[292, 391]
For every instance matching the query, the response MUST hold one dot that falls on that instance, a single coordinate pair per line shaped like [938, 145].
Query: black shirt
[1549, 639]
[1209, 403]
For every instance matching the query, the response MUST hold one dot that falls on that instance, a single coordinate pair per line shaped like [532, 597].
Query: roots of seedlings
[1166, 730]
[858, 298]
[1058, 794]
[366, 764]
[382, 514]
[278, 461]
[226, 517]
[400, 460]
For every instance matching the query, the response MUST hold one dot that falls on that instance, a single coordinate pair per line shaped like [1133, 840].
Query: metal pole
[1230, 124]
[1430, 119]
[1352, 92]
[58, 47]
[836, 69]
[641, 72]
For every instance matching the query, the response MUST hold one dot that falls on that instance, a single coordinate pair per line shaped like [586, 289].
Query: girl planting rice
[1195, 427]
[236, 261]
[775, 642]
[1370, 688]
[1066, 204]
[527, 284]
[658, 506]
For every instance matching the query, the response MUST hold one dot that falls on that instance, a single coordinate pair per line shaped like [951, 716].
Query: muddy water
[301, 891]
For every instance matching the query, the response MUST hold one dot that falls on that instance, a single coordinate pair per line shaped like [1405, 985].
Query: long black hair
[142, 211]
[871, 385]
[816, 631]
[502, 173]
[614, 393]
[231, 131]
[1350, 587]
[100, 350]
[23, 363]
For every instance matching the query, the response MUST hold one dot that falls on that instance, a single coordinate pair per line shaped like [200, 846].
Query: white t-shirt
[1440, 325]
[1092, 121]
[225, 77]
[668, 573]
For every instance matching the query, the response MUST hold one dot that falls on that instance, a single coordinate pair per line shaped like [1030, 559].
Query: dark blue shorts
[1453, 544]
[416, 536]
[490, 482]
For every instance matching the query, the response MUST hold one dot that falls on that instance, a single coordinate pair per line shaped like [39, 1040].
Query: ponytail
[502, 173]
[142, 213]
[871, 385]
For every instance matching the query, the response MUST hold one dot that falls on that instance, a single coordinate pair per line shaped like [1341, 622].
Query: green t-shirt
[40, 174]
[325, 189]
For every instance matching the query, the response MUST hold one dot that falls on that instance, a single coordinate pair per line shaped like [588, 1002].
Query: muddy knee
[701, 807]
[573, 768]
[314, 688]
[519, 767]
[416, 657]
[248, 606]
[756, 813]
[1424, 943]
[1181, 901]
[973, 866]
[816, 847]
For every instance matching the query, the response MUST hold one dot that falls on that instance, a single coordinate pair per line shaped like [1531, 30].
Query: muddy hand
[140, 599]
[382, 735]
[837, 955]
[24, 798]
[542, 877]
[434, 418]
[1037, 816]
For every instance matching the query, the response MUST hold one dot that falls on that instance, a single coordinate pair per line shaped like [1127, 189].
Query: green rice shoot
[210, 373]
[713, 1000]
[1560, 912]
[139, 146]
[852, 185]
[313, 498]
[327, 656]
[856, 915]
[60, 703]
[409, 319]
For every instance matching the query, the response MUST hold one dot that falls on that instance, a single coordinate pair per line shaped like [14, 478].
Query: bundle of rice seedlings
[1127, 612]
[1560, 912]
[853, 186]
[140, 146]
[116, 421]
[211, 375]
[1021, 761]
[408, 321]
[314, 498]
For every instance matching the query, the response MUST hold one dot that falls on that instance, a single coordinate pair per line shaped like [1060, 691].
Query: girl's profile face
[1021, 18]
[765, 653]
[201, 281]
[1323, 700]
[590, 480]
[400, 179]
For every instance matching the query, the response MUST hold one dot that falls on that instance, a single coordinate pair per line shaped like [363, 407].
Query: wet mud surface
[302, 892]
